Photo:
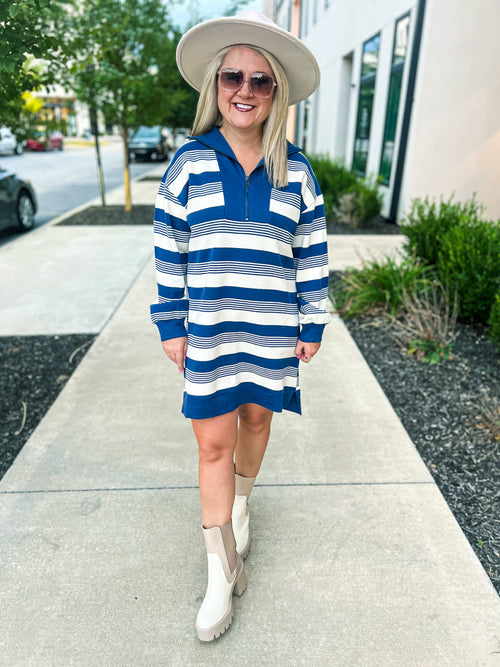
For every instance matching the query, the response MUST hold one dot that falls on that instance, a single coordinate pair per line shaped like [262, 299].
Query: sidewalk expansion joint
[195, 488]
[135, 278]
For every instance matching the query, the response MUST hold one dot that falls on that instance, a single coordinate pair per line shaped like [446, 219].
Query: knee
[255, 419]
[211, 450]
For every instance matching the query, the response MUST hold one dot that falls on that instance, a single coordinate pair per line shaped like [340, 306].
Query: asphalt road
[69, 178]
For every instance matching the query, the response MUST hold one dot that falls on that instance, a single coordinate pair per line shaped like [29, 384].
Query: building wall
[453, 141]
[455, 138]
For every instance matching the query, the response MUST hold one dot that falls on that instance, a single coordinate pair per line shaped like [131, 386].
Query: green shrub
[333, 178]
[427, 223]
[336, 181]
[463, 248]
[494, 320]
[369, 199]
[380, 286]
[469, 263]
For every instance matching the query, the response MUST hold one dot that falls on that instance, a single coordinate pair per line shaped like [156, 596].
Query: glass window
[369, 64]
[396, 79]
[315, 11]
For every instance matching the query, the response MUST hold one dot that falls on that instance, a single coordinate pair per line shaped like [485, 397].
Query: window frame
[365, 80]
[397, 68]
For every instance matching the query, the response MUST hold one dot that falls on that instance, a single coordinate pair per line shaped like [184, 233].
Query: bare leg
[253, 436]
[216, 438]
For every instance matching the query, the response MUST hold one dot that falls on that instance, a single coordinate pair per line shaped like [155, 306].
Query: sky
[208, 9]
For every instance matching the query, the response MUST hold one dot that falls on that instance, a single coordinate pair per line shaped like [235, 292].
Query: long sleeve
[171, 240]
[310, 251]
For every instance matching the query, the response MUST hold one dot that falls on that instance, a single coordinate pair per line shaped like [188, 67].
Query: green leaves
[29, 28]
[14, 10]
[127, 44]
[348, 198]
[423, 316]
[463, 248]
[380, 285]
[494, 320]
[430, 351]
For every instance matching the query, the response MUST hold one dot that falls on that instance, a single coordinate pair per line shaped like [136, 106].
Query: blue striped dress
[242, 267]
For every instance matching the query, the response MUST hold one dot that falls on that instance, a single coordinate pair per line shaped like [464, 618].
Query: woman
[240, 247]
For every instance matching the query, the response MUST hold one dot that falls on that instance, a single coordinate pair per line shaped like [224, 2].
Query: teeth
[244, 106]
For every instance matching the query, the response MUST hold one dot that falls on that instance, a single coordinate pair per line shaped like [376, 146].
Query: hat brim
[201, 44]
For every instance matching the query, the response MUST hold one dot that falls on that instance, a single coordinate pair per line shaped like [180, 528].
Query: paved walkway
[356, 558]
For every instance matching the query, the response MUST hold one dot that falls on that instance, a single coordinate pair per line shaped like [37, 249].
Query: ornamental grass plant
[381, 286]
[426, 323]
[422, 315]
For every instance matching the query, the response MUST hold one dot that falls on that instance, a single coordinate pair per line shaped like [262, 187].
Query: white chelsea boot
[226, 575]
[240, 515]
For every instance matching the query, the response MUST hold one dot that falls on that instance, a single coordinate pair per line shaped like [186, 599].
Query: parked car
[18, 203]
[40, 141]
[149, 143]
[9, 142]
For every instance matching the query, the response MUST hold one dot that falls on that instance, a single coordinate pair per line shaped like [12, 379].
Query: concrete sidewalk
[356, 558]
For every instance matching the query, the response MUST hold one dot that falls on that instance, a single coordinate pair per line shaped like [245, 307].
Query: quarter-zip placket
[247, 185]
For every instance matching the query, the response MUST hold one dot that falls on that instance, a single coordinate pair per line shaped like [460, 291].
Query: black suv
[149, 143]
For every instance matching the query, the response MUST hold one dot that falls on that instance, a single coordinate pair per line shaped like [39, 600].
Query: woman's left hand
[306, 351]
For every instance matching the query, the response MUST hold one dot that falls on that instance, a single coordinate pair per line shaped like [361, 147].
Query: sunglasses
[231, 79]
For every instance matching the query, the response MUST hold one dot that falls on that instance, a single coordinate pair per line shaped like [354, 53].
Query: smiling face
[241, 110]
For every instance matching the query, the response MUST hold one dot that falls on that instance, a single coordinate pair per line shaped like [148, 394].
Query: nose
[245, 89]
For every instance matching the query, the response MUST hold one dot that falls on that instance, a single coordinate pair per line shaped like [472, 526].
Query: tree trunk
[126, 170]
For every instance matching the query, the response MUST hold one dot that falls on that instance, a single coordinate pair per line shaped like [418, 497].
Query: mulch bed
[111, 215]
[33, 370]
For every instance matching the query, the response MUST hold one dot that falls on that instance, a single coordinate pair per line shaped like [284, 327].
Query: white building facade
[410, 93]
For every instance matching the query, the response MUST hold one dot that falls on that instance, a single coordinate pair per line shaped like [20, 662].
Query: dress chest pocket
[284, 207]
[205, 203]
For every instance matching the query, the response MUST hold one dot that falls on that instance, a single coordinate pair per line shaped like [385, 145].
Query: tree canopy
[30, 45]
[124, 64]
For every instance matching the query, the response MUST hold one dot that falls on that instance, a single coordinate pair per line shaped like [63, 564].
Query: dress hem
[222, 402]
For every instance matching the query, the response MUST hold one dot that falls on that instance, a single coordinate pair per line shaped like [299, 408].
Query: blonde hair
[274, 127]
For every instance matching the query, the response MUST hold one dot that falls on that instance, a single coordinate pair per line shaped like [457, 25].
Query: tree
[30, 50]
[177, 99]
[122, 49]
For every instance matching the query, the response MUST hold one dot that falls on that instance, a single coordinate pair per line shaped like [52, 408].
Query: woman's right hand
[176, 349]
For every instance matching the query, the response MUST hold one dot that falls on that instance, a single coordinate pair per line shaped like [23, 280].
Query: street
[64, 180]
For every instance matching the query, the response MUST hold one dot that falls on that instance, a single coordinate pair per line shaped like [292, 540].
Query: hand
[306, 351]
[175, 349]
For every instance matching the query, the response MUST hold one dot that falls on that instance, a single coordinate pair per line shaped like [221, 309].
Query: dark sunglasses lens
[231, 79]
[261, 84]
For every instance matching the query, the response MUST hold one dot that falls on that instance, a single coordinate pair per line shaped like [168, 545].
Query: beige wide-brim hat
[202, 43]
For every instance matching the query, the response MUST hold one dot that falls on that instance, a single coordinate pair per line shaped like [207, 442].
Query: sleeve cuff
[171, 329]
[311, 333]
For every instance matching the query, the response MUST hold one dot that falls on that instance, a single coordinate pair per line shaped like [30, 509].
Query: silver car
[9, 142]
